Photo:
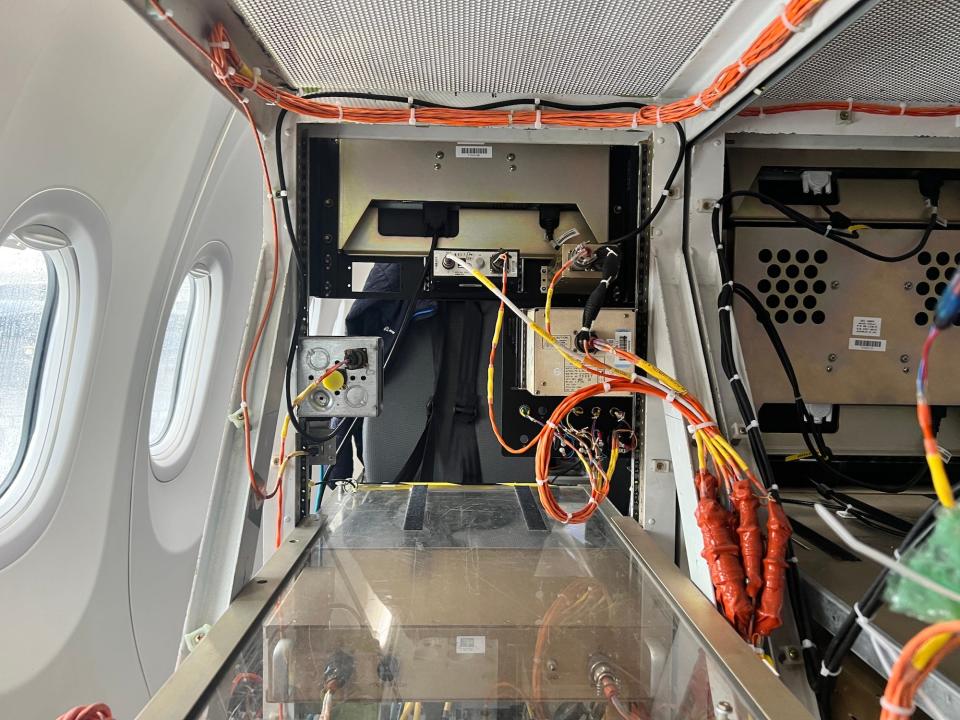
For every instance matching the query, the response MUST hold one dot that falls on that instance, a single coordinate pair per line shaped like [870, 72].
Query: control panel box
[487, 262]
[585, 272]
[546, 372]
[355, 389]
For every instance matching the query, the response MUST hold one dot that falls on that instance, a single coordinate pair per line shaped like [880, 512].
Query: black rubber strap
[530, 509]
[416, 508]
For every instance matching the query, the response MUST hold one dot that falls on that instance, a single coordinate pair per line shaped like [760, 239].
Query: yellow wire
[416, 711]
[405, 713]
[941, 483]
[930, 648]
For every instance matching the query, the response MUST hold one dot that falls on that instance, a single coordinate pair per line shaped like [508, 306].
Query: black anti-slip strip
[416, 508]
[530, 510]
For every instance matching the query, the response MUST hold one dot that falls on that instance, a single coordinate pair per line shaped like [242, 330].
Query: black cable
[868, 604]
[645, 223]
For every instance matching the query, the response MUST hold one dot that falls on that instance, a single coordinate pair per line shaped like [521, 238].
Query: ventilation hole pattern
[792, 284]
[937, 269]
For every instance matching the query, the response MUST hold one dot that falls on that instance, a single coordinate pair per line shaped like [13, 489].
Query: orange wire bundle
[919, 657]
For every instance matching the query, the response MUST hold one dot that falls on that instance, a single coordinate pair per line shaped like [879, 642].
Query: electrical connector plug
[355, 358]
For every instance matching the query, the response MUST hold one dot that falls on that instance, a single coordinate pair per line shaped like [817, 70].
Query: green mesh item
[937, 558]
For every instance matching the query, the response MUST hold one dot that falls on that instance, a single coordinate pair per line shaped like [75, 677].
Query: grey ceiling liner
[551, 47]
[901, 50]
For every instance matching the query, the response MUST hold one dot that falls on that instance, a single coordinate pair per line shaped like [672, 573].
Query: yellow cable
[416, 710]
[797, 456]
[941, 483]
[405, 713]
[930, 648]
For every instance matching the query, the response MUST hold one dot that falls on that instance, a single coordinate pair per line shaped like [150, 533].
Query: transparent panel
[27, 286]
[170, 368]
[481, 608]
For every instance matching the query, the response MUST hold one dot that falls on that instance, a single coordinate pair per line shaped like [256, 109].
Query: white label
[471, 644]
[623, 340]
[869, 326]
[871, 345]
[474, 151]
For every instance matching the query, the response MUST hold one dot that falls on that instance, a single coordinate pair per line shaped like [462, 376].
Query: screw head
[512, 168]
[904, 358]
[723, 709]
[660, 140]
[829, 368]
[436, 166]
[793, 653]
[832, 357]
[651, 521]
[835, 284]
[439, 155]
[552, 665]
[617, 209]
[328, 202]
[511, 157]
[908, 286]
[906, 369]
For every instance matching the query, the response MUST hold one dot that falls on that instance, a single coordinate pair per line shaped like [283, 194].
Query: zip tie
[541, 482]
[862, 620]
[659, 121]
[760, 114]
[829, 230]
[633, 123]
[896, 555]
[413, 111]
[551, 424]
[849, 105]
[670, 397]
[256, 79]
[566, 519]
[536, 104]
[729, 283]
[725, 308]
[607, 386]
[592, 500]
[793, 560]
[807, 644]
[237, 417]
[510, 118]
[774, 488]
[903, 108]
[339, 112]
[698, 101]
[827, 672]
[753, 425]
[700, 426]
[734, 378]
[741, 66]
[665, 192]
[786, 23]
[719, 246]
[224, 45]
[896, 709]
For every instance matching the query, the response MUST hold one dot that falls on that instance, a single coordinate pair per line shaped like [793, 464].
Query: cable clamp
[223, 45]
[536, 105]
[896, 709]
[808, 644]
[633, 123]
[256, 79]
[829, 229]
[753, 425]
[725, 308]
[237, 417]
[827, 672]
[659, 121]
[694, 429]
[742, 67]
[790, 27]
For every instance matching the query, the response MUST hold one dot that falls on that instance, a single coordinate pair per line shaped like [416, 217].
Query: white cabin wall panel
[98, 102]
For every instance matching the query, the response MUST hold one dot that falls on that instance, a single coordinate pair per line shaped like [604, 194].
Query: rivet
[511, 157]
[512, 168]
[829, 368]
[436, 166]
[904, 358]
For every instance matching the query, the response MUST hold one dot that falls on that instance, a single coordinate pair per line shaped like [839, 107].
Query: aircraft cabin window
[28, 289]
[179, 367]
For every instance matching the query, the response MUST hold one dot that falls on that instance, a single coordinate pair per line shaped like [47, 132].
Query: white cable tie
[165, 15]
[862, 620]
[903, 108]
[827, 672]
[551, 424]
[719, 246]
[698, 101]
[567, 518]
[510, 119]
[606, 282]
[897, 556]
[774, 488]
[849, 105]
[807, 644]
[753, 425]
[635, 378]
[741, 66]
[245, 100]
[726, 308]
[236, 418]
[610, 251]
[693, 429]
[592, 500]
[786, 23]
[633, 123]
[730, 283]
[231, 71]
[793, 560]
[760, 113]
[828, 231]
[735, 377]
[607, 386]
[339, 112]
[536, 104]
[413, 111]
[896, 709]
[256, 79]
[665, 192]
[541, 482]
[224, 45]
[670, 397]
[659, 121]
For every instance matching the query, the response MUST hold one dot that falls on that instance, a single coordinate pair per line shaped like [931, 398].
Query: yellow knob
[334, 381]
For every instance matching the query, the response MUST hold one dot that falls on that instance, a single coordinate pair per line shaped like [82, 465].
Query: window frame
[32, 400]
[170, 451]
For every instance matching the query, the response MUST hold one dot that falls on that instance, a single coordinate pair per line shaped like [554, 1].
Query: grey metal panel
[620, 47]
[901, 50]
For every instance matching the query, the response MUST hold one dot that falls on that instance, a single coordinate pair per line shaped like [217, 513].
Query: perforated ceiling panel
[552, 47]
[901, 50]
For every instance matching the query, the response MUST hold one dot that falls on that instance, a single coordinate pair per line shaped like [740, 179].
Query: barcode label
[871, 345]
[623, 339]
[474, 151]
[471, 644]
